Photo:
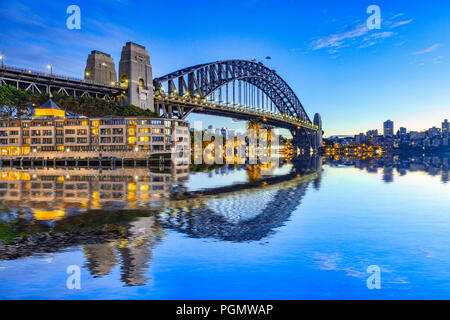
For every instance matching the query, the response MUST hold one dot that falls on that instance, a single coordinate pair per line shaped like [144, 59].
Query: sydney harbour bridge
[238, 89]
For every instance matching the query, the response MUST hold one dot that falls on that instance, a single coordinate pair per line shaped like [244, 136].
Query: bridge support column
[135, 72]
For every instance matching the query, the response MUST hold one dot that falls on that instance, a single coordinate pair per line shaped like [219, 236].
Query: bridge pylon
[135, 74]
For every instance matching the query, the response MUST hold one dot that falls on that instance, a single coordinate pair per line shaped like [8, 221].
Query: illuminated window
[143, 139]
[124, 82]
[131, 139]
[131, 131]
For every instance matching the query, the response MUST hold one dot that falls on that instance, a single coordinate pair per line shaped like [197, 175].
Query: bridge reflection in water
[46, 211]
[51, 211]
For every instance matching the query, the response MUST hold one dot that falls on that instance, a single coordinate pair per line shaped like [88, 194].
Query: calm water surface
[306, 230]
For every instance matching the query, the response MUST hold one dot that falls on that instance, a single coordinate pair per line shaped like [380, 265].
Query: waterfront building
[388, 128]
[50, 130]
[434, 132]
[360, 138]
[402, 131]
[372, 133]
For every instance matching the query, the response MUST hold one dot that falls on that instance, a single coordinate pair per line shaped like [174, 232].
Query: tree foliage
[16, 102]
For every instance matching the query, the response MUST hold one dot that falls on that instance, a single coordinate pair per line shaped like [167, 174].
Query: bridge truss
[40, 82]
[239, 84]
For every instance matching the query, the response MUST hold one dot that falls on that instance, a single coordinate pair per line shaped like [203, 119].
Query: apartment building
[50, 130]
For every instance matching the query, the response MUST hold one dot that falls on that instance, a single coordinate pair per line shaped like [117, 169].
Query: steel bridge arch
[204, 79]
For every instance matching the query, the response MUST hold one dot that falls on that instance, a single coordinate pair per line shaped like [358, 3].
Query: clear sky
[354, 77]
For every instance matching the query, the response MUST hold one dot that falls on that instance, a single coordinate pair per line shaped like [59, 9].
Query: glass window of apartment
[82, 132]
[105, 131]
[35, 132]
[157, 130]
[70, 131]
[14, 133]
[70, 140]
[157, 148]
[157, 139]
[157, 122]
[25, 124]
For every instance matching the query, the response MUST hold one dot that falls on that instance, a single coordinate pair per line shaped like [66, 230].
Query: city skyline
[356, 78]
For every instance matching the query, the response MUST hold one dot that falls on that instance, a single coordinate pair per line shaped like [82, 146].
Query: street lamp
[2, 58]
[50, 68]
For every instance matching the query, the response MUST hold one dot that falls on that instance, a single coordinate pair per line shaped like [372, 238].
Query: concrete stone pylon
[135, 73]
[100, 68]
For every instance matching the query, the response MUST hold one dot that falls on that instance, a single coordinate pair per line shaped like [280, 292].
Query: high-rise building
[388, 128]
[445, 128]
[402, 131]
[100, 68]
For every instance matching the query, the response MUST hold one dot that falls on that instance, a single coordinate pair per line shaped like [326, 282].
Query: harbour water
[308, 229]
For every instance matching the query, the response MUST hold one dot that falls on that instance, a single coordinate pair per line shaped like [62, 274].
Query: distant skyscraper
[402, 131]
[445, 127]
[388, 128]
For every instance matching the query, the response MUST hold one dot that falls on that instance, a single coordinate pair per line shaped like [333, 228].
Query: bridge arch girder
[204, 79]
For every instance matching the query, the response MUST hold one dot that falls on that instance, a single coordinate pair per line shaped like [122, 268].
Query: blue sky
[355, 77]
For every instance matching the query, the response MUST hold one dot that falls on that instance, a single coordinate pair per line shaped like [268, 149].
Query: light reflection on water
[304, 230]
